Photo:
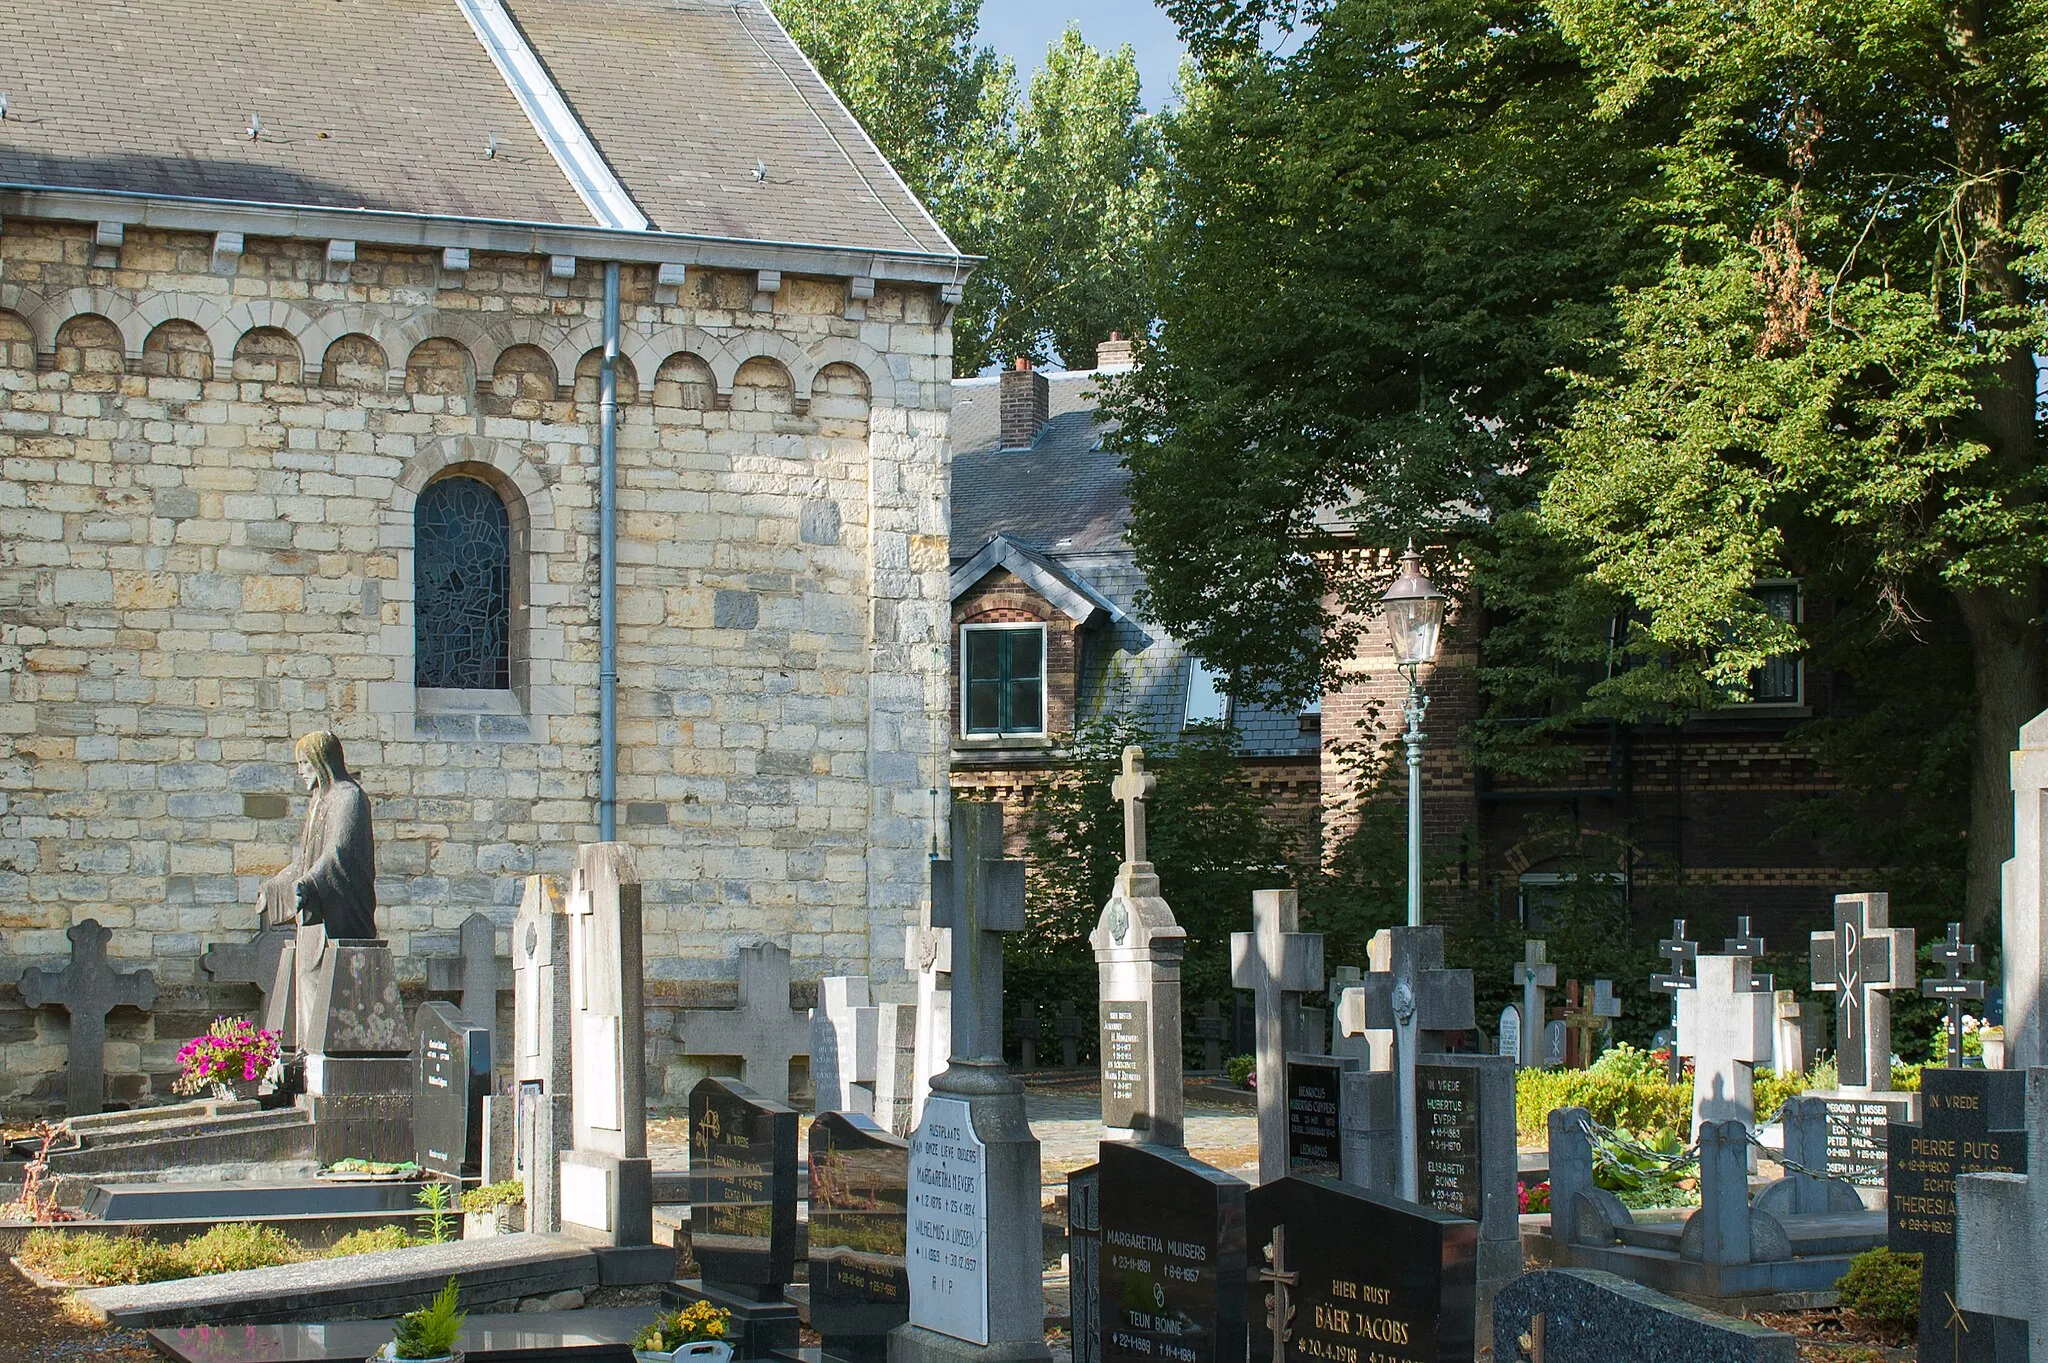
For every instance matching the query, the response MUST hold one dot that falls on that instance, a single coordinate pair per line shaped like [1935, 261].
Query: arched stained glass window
[462, 575]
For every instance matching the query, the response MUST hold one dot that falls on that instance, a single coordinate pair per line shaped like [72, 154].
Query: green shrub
[100, 1260]
[1240, 1068]
[370, 1241]
[1627, 1090]
[239, 1244]
[490, 1196]
[437, 1226]
[431, 1331]
[1883, 1289]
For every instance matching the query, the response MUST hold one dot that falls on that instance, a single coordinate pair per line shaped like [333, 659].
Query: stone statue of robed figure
[332, 877]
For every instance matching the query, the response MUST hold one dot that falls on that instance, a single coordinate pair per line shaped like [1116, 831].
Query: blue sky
[1023, 29]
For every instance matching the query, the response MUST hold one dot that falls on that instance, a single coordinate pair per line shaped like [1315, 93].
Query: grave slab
[599, 1336]
[1592, 1317]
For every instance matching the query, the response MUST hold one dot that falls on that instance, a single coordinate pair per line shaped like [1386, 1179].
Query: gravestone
[1278, 963]
[764, 1031]
[2001, 1225]
[543, 1118]
[742, 1214]
[1510, 1037]
[252, 962]
[1468, 1162]
[606, 1179]
[1676, 950]
[1374, 1048]
[357, 1042]
[1084, 1262]
[1951, 955]
[1067, 1023]
[88, 989]
[1212, 1030]
[1725, 1026]
[1581, 1315]
[1556, 1044]
[1411, 993]
[2023, 957]
[1536, 976]
[895, 1066]
[860, 1207]
[928, 953]
[1024, 1030]
[975, 1251]
[1750, 947]
[1338, 1273]
[844, 1043]
[1857, 1145]
[1790, 1052]
[1859, 962]
[1171, 1270]
[1973, 1122]
[473, 972]
[454, 1059]
[1138, 948]
[1807, 1154]
[1314, 1104]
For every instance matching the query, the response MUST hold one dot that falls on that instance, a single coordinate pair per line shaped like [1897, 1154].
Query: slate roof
[388, 105]
[1068, 499]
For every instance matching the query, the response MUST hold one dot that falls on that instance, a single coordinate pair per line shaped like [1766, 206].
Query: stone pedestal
[361, 1107]
[358, 1047]
[1138, 948]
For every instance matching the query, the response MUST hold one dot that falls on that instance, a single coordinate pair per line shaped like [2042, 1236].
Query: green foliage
[437, 1226]
[102, 1260]
[372, 1240]
[1239, 1069]
[1626, 1089]
[1058, 187]
[1884, 1289]
[1210, 836]
[489, 1196]
[237, 1245]
[431, 1331]
[1646, 1173]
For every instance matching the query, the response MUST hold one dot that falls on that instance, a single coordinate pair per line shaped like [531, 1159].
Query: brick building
[301, 426]
[1046, 627]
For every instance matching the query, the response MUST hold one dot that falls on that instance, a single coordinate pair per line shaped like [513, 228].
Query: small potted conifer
[427, 1335]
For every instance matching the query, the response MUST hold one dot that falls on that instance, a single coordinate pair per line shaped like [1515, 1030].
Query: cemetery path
[37, 1327]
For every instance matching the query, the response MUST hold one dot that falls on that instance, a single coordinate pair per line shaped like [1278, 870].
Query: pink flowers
[231, 1049]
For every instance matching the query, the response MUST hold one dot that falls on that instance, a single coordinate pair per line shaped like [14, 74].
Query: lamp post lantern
[1415, 622]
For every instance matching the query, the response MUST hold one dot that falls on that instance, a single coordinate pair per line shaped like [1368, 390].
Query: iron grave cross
[1678, 951]
[1953, 953]
[1751, 947]
[1862, 958]
[1131, 787]
[87, 988]
[979, 896]
[1278, 963]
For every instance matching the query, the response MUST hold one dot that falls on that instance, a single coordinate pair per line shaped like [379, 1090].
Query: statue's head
[320, 761]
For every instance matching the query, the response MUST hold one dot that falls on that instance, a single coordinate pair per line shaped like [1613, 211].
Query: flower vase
[236, 1090]
[697, 1351]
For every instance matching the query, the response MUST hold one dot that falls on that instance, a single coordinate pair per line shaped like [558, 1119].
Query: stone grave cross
[1409, 991]
[1952, 954]
[980, 896]
[1278, 963]
[1582, 1026]
[87, 988]
[845, 1046]
[1024, 1029]
[928, 955]
[1725, 1026]
[1861, 959]
[472, 973]
[1211, 1030]
[1677, 950]
[251, 962]
[764, 1031]
[1747, 945]
[1131, 787]
[1537, 975]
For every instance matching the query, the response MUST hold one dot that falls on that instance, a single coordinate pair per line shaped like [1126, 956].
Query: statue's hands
[299, 897]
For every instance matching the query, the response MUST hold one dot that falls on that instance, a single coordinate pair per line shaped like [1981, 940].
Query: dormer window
[1207, 701]
[1003, 691]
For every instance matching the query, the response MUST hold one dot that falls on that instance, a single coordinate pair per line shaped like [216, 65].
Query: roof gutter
[429, 231]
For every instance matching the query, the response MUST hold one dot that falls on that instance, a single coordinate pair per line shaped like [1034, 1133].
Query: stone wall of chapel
[206, 487]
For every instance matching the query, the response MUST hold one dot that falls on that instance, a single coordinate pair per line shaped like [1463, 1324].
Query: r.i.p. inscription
[948, 1234]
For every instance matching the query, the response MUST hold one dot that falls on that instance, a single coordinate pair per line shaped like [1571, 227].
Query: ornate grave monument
[88, 989]
[860, 1208]
[1138, 948]
[974, 1246]
[764, 1031]
[742, 1214]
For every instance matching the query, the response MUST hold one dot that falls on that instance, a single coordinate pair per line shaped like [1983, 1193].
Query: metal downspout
[608, 565]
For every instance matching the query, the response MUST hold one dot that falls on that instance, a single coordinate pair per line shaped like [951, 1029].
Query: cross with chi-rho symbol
[1862, 958]
[1953, 953]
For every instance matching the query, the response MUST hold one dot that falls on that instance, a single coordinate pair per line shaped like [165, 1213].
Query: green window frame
[1002, 680]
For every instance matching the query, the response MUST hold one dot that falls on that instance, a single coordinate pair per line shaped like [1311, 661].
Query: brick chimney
[1114, 355]
[1026, 404]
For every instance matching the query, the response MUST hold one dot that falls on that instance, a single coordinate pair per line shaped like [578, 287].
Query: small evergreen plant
[431, 1331]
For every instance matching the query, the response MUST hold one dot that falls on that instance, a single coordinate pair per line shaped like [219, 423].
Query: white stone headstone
[948, 1228]
[2024, 960]
[1511, 1033]
[1725, 1026]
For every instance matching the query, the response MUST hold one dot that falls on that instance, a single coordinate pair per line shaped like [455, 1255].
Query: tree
[1058, 191]
[1835, 368]
[1378, 252]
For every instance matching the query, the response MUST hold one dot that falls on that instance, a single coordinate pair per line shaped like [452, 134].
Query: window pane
[984, 655]
[462, 572]
[1778, 680]
[1027, 653]
[1206, 700]
[1024, 717]
[982, 714]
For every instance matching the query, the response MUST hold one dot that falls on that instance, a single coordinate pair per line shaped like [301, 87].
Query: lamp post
[1415, 622]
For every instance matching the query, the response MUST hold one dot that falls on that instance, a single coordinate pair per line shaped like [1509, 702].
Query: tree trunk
[2006, 644]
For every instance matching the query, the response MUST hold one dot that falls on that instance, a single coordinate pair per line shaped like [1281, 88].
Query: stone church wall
[207, 478]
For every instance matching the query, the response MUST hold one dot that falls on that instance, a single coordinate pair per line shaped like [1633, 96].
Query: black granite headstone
[1972, 1122]
[1858, 1148]
[1340, 1275]
[742, 1188]
[1125, 1037]
[1172, 1258]
[1447, 1139]
[860, 1192]
[1084, 1255]
[453, 1080]
[1592, 1317]
[1315, 1108]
